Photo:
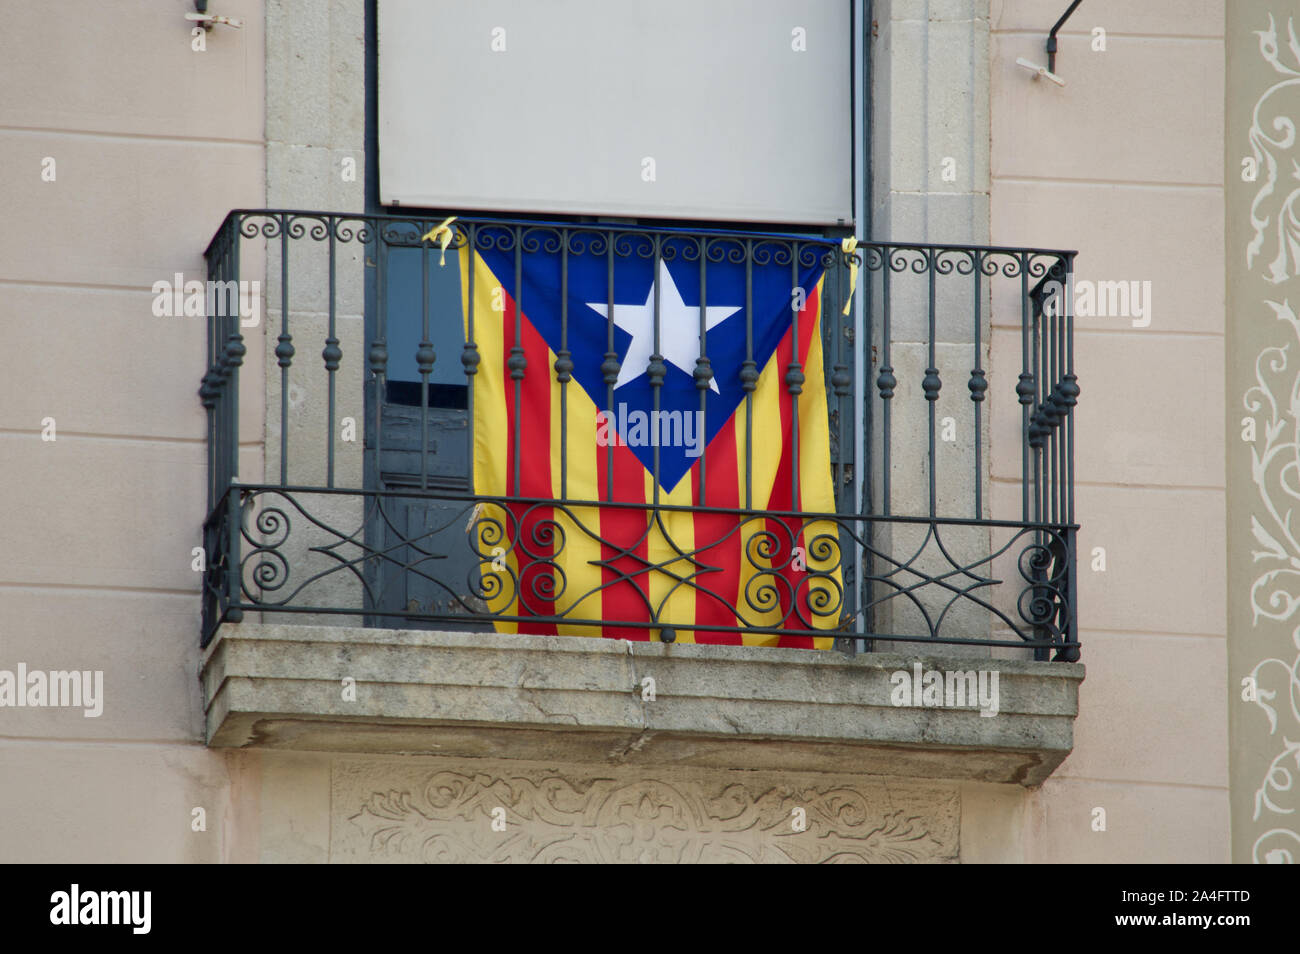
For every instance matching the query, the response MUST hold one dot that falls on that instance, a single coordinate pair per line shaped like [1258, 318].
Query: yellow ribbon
[849, 246]
[442, 235]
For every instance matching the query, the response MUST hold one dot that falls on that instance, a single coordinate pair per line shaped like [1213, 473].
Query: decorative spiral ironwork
[270, 226]
[634, 245]
[547, 582]
[540, 238]
[772, 252]
[825, 549]
[689, 249]
[870, 257]
[586, 241]
[497, 238]
[725, 249]
[351, 229]
[519, 570]
[269, 569]
[958, 260]
[272, 523]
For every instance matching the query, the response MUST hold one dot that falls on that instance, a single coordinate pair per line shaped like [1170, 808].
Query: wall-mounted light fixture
[1048, 72]
[209, 20]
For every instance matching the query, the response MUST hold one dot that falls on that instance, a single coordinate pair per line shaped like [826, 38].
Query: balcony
[354, 531]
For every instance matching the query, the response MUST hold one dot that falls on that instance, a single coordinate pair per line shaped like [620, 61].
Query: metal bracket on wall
[1051, 37]
[209, 20]
[1049, 72]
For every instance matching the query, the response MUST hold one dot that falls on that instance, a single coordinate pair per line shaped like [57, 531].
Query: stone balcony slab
[575, 699]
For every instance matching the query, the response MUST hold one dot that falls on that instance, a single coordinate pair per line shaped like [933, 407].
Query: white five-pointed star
[679, 329]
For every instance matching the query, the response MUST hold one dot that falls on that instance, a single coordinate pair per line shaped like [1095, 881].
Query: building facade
[284, 579]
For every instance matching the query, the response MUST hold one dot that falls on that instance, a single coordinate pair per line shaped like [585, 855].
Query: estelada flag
[600, 480]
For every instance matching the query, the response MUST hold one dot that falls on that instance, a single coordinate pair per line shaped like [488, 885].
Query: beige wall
[1125, 164]
[153, 143]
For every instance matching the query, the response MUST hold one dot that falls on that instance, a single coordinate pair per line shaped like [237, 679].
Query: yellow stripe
[767, 458]
[814, 483]
[581, 598]
[490, 447]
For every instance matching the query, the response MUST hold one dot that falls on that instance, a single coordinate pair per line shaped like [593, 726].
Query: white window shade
[739, 124]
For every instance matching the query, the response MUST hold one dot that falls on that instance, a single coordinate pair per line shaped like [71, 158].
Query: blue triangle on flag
[677, 428]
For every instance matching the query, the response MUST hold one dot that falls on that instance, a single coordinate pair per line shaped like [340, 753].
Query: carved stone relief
[431, 810]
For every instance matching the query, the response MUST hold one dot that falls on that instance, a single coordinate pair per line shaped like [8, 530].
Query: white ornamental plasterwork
[546, 817]
[1275, 467]
[1273, 213]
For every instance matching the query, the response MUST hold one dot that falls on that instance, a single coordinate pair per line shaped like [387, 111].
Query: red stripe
[718, 541]
[534, 543]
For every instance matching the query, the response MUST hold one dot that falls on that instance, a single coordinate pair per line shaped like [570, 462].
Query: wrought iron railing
[358, 499]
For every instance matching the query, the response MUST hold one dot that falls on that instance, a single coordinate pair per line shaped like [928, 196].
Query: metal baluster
[222, 376]
[425, 356]
[862, 341]
[1058, 425]
[210, 387]
[1024, 387]
[1049, 334]
[931, 384]
[1038, 430]
[379, 346]
[887, 382]
[609, 368]
[469, 358]
[234, 521]
[656, 369]
[1070, 396]
[1043, 458]
[564, 364]
[331, 353]
[794, 379]
[235, 352]
[836, 330]
[234, 358]
[284, 351]
[703, 369]
[1062, 407]
[220, 384]
[863, 496]
[518, 361]
[1070, 392]
[206, 393]
[978, 384]
[749, 374]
